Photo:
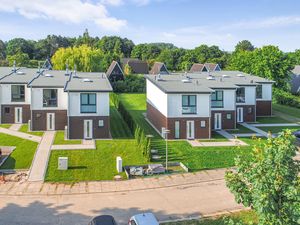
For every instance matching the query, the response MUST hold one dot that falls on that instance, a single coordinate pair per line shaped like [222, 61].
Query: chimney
[75, 72]
[67, 70]
[14, 66]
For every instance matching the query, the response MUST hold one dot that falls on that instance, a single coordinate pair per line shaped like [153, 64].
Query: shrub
[286, 98]
[130, 84]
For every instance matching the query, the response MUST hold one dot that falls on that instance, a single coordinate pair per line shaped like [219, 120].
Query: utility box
[119, 164]
[62, 163]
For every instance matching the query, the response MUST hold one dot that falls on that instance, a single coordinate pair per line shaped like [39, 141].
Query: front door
[190, 129]
[18, 115]
[88, 129]
[218, 121]
[50, 121]
[239, 114]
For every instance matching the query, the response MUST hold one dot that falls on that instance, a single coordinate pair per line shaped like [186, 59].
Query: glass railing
[217, 104]
[240, 99]
[88, 109]
[189, 110]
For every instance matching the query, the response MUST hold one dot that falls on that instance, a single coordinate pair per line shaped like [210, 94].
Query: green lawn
[24, 129]
[5, 126]
[275, 130]
[22, 156]
[99, 164]
[292, 111]
[215, 137]
[118, 127]
[60, 139]
[271, 119]
[244, 216]
[241, 130]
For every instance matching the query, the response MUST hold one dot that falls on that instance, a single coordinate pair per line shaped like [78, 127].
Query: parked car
[103, 220]
[143, 219]
[297, 135]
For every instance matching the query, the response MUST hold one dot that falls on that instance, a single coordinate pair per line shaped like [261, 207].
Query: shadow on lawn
[10, 163]
[77, 167]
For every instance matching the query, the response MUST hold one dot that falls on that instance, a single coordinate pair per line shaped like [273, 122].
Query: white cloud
[112, 2]
[67, 11]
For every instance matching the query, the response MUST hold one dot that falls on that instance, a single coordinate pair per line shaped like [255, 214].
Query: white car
[143, 219]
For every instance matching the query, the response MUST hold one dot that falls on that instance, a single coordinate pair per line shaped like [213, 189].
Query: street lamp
[165, 133]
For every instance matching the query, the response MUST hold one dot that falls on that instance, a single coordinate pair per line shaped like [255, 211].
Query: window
[17, 93]
[249, 110]
[177, 129]
[217, 99]
[240, 95]
[88, 103]
[229, 116]
[189, 104]
[259, 91]
[203, 124]
[101, 123]
[50, 98]
[7, 110]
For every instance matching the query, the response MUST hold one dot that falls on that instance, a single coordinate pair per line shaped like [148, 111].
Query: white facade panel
[228, 100]
[6, 95]
[37, 99]
[157, 98]
[267, 92]
[102, 104]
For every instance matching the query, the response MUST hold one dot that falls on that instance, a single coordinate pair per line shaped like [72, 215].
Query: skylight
[20, 73]
[48, 75]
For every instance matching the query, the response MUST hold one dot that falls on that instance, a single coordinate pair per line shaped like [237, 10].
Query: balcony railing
[217, 104]
[189, 110]
[240, 99]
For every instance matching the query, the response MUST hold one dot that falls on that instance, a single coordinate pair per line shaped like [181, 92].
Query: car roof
[146, 219]
[103, 220]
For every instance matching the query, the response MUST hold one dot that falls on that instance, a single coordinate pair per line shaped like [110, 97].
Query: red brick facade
[228, 119]
[249, 112]
[263, 108]
[39, 119]
[8, 113]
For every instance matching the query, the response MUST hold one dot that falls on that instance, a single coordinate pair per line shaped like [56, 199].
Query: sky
[185, 23]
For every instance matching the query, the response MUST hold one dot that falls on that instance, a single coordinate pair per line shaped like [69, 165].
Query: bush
[286, 98]
[131, 84]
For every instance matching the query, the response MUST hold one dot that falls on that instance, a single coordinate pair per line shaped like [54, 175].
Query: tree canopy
[244, 45]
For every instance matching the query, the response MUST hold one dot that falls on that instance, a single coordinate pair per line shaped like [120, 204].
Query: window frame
[261, 91]
[189, 105]
[217, 100]
[50, 106]
[88, 104]
[237, 100]
[20, 99]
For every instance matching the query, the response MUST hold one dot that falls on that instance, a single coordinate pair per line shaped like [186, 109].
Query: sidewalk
[256, 130]
[275, 125]
[40, 161]
[20, 134]
[15, 126]
[86, 144]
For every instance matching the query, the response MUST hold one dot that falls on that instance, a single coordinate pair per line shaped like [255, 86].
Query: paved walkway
[20, 134]
[275, 125]
[86, 144]
[256, 130]
[40, 161]
[15, 126]
[248, 135]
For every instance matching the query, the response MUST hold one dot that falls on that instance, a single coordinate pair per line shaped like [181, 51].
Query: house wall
[5, 95]
[37, 99]
[264, 105]
[39, 119]
[250, 96]
[10, 117]
[267, 92]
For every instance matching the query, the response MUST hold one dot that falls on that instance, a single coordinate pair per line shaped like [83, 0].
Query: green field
[243, 216]
[5, 126]
[288, 110]
[215, 137]
[271, 119]
[275, 130]
[24, 129]
[22, 156]
[60, 139]
[96, 164]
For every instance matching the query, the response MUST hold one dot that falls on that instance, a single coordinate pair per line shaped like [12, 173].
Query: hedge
[286, 98]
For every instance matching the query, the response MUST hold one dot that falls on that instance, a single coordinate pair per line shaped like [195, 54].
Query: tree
[117, 45]
[244, 45]
[127, 70]
[2, 50]
[21, 59]
[267, 181]
[20, 45]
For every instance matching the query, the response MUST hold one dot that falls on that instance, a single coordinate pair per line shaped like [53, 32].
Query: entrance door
[218, 121]
[190, 129]
[18, 114]
[50, 121]
[239, 114]
[88, 129]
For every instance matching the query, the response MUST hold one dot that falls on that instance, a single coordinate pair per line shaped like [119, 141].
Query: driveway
[192, 200]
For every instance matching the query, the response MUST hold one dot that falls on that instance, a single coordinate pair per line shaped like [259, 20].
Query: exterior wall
[5, 95]
[249, 117]
[250, 96]
[37, 99]
[159, 120]
[76, 129]
[10, 117]
[226, 123]
[102, 105]
[157, 98]
[263, 108]
[267, 92]
[39, 119]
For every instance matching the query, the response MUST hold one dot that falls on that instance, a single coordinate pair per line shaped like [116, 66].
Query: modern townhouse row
[56, 100]
[191, 105]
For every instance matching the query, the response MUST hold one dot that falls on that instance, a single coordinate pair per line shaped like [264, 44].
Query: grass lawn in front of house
[243, 216]
[118, 127]
[22, 156]
[241, 130]
[24, 129]
[98, 164]
[5, 125]
[271, 119]
[60, 139]
[275, 130]
[288, 110]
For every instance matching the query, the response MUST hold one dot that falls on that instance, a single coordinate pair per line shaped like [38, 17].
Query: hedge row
[286, 98]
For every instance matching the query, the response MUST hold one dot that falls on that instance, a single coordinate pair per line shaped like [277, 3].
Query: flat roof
[204, 82]
[50, 78]
[21, 76]
[89, 82]
[4, 71]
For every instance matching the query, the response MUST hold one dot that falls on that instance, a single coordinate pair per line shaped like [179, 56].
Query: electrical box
[62, 163]
[119, 164]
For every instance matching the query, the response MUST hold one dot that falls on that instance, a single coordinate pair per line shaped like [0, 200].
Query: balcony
[189, 110]
[217, 104]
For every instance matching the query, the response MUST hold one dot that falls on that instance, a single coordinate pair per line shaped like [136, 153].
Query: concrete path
[275, 125]
[40, 161]
[256, 130]
[15, 126]
[20, 134]
[86, 144]
[180, 196]
[248, 135]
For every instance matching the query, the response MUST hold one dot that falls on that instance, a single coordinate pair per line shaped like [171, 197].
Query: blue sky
[185, 23]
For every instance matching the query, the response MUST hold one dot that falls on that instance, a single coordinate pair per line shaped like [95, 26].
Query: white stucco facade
[267, 92]
[102, 104]
[5, 95]
[37, 99]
